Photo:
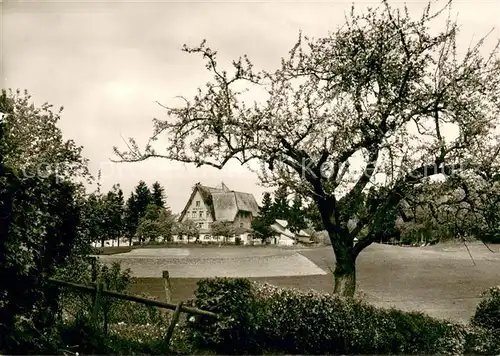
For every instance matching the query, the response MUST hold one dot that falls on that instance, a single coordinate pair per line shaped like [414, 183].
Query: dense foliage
[42, 216]
[440, 211]
[33, 143]
[260, 318]
[284, 206]
[223, 229]
[488, 311]
[188, 229]
[40, 223]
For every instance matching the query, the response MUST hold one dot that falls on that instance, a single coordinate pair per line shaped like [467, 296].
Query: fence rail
[132, 298]
[98, 291]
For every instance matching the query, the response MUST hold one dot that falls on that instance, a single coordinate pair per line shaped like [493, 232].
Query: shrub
[481, 341]
[296, 322]
[80, 304]
[132, 313]
[82, 337]
[39, 234]
[488, 311]
[132, 327]
[312, 322]
[235, 331]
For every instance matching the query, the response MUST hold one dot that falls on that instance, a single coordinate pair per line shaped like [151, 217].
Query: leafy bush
[274, 319]
[132, 327]
[39, 232]
[80, 336]
[482, 341]
[235, 332]
[78, 305]
[488, 311]
[312, 322]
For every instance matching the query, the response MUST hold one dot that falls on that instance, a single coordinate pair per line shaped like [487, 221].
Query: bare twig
[470, 254]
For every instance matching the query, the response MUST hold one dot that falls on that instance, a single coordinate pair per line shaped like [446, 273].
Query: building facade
[209, 204]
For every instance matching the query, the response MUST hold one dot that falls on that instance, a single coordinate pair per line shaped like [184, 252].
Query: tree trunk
[345, 281]
[344, 273]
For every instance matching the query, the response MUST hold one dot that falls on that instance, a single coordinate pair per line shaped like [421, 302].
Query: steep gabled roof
[246, 202]
[223, 203]
[282, 222]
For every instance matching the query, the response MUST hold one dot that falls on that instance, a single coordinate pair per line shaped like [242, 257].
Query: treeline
[429, 215]
[144, 214]
[285, 205]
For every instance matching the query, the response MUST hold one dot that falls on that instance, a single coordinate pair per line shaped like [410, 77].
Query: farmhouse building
[283, 236]
[208, 204]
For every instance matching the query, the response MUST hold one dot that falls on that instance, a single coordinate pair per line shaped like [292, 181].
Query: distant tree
[297, 220]
[131, 218]
[224, 229]
[148, 226]
[113, 206]
[142, 198]
[148, 230]
[136, 207]
[158, 195]
[261, 224]
[166, 222]
[313, 217]
[95, 217]
[187, 228]
[448, 210]
[152, 212]
[280, 207]
[157, 222]
[266, 208]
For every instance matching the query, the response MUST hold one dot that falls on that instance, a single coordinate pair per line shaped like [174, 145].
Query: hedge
[263, 318]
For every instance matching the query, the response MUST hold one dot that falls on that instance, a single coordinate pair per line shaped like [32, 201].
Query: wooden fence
[99, 290]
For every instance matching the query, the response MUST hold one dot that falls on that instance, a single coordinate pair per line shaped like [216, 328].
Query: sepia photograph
[250, 177]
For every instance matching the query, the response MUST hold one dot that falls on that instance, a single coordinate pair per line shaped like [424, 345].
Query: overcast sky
[108, 62]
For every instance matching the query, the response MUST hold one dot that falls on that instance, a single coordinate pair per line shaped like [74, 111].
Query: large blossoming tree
[353, 121]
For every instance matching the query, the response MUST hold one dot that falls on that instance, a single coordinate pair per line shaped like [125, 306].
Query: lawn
[440, 280]
[113, 250]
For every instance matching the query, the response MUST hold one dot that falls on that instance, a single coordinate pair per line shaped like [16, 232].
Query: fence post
[96, 303]
[173, 322]
[106, 308]
[167, 286]
[93, 262]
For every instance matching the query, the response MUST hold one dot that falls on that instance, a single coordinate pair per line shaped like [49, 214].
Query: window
[200, 225]
[201, 214]
[241, 224]
[197, 203]
[194, 214]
